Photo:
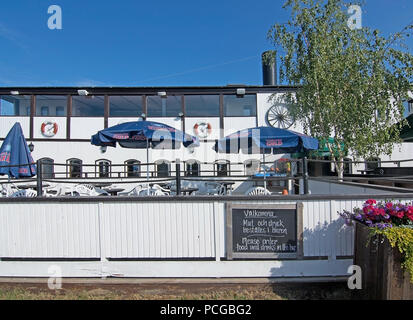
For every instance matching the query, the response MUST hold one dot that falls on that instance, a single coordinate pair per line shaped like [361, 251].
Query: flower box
[383, 249]
[383, 277]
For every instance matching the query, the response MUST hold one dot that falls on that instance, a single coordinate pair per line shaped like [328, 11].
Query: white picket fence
[168, 238]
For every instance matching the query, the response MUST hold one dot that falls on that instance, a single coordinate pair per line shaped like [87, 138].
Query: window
[133, 168]
[74, 168]
[162, 168]
[410, 106]
[202, 105]
[245, 106]
[44, 111]
[15, 105]
[88, 106]
[60, 111]
[51, 106]
[125, 106]
[372, 163]
[47, 168]
[222, 168]
[193, 168]
[169, 106]
[103, 168]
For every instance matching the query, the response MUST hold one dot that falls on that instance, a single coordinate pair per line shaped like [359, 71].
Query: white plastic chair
[257, 191]
[132, 192]
[7, 189]
[29, 193]
[215, 188]
[57, 190]
[88, 190]
[152, 192]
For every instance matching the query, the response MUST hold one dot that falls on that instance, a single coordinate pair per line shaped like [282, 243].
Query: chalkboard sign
[264, 231]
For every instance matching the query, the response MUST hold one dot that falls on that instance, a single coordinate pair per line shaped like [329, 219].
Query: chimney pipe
[269, 68]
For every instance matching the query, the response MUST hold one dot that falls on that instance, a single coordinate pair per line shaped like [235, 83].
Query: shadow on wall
[323, 243]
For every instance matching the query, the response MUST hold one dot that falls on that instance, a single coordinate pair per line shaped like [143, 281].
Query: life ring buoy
[49, 128]
[202, 129]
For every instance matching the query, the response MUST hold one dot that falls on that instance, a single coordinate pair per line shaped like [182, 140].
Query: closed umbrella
[15, 152]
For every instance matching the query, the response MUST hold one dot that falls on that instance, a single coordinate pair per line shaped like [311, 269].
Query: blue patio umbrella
[144, 135]
[265, 140]
[15, 152]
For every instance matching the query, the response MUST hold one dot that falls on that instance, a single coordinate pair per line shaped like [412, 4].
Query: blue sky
[151, 43]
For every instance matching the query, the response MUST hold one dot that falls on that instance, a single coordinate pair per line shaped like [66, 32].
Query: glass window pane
[125, 106]
[133, 168]
[202, 106]
[162, 169]
[88, 106]
[60, 111]
[170, 106]
[47, 168]
[75, 168]
[104, 168]
[192, 169]
[44, 111]
[51, 106]
[240, 107]
[15, 105]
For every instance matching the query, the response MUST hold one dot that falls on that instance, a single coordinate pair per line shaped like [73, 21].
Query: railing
[235, 172]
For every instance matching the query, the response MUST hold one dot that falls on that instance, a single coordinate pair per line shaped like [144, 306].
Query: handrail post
[39, 178]
[178, 177]
[305, 173]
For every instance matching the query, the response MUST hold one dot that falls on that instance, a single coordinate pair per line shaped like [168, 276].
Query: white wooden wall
[158, 239]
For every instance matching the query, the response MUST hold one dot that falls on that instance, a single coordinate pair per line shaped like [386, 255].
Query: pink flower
[389, 205]
[371, 201]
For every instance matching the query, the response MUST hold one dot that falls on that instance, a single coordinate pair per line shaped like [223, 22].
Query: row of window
[132, 168]
[162, 168]
[131, 106]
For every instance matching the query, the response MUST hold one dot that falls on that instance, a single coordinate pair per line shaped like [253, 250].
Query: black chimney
[269, 68]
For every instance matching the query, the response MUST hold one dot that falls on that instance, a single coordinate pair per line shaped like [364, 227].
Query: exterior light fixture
[14, 92]
[31, 147]
[103, 149]
[143, 116]
[162, 94]
[180, 114]
[82, 92]
[240, 92]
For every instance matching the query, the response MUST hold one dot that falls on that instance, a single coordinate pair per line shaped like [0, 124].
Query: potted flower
[383, 248]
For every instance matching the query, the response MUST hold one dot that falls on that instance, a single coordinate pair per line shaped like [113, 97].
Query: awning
[323, 150]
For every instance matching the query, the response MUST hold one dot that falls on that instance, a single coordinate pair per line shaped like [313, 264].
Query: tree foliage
[352, 83]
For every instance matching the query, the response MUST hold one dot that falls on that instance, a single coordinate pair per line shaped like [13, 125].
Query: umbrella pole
[147, 166]
[263, 160]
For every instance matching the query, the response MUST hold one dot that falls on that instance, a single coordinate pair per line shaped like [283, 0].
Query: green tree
[352, 82]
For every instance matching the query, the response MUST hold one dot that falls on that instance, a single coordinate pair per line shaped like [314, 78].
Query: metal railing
[235, 172]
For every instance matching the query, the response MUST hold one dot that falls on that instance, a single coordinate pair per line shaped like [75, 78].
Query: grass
[176, 292]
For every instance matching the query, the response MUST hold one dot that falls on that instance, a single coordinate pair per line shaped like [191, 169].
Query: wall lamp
[143, 116]
[240, 92]
[82, 92]
[31, 147]
[14, 92]
[103, 149]
[180, 115]
[162, 94]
